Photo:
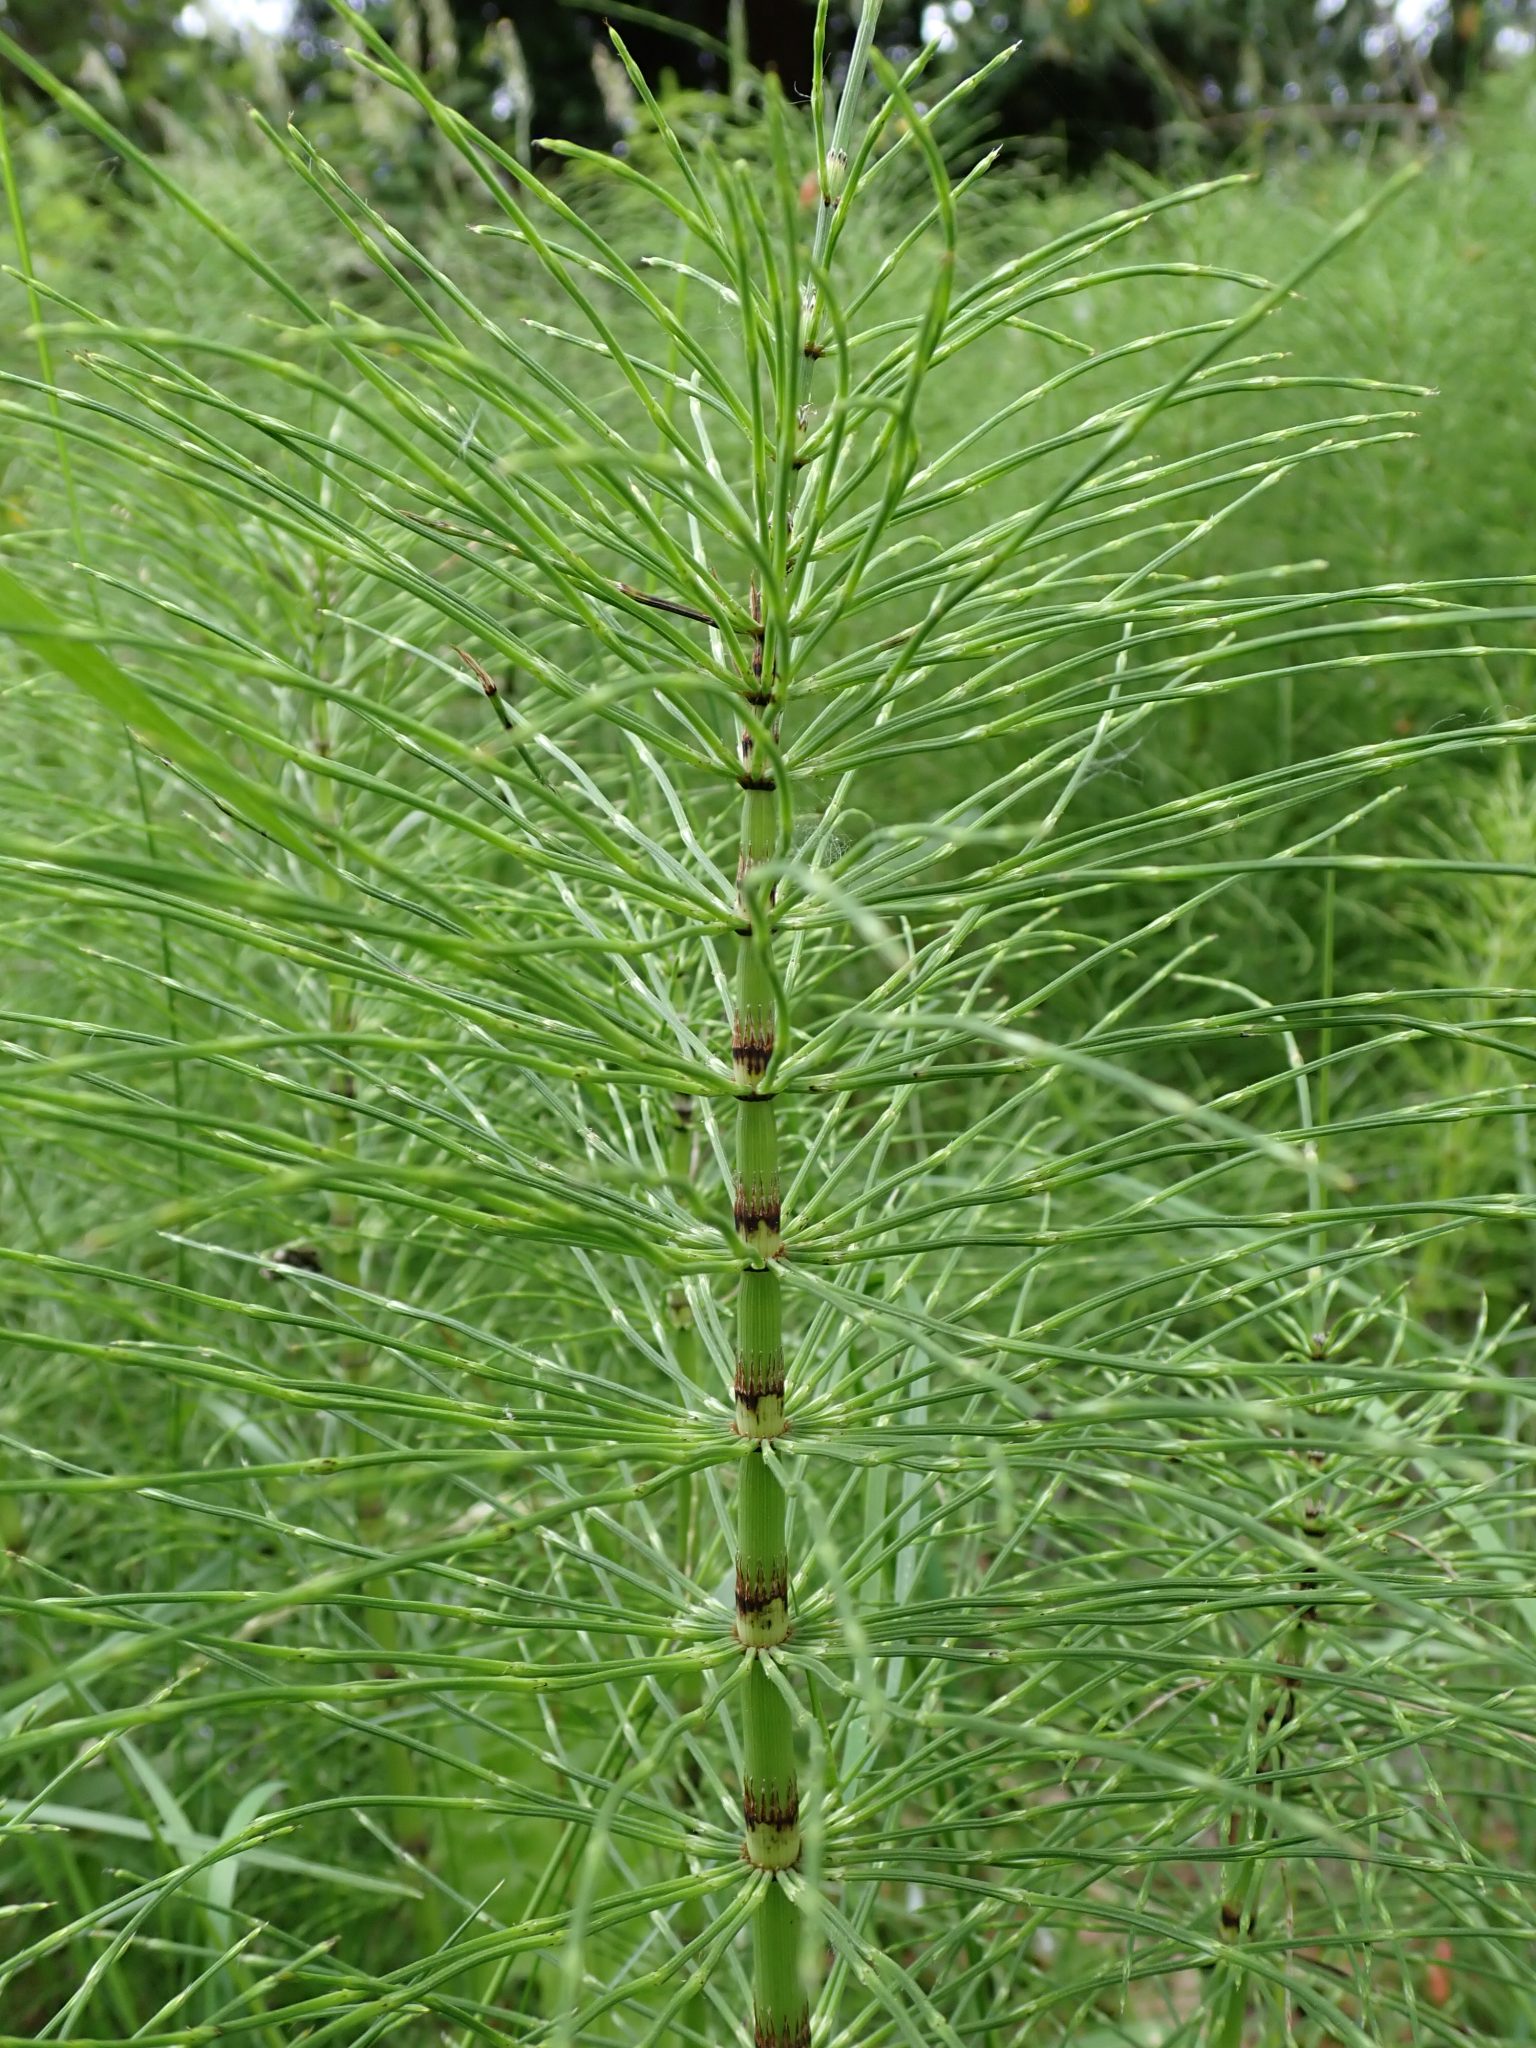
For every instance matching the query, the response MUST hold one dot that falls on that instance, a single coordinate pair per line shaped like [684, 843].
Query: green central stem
[770, 1793]
[771, 1786]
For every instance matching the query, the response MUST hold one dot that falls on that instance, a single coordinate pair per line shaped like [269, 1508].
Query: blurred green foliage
[1147, 79]
[132, 57]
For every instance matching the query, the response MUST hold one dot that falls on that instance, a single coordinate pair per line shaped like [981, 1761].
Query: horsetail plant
[948, 1230]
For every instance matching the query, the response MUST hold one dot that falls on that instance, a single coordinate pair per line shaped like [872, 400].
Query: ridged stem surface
[770, 1793]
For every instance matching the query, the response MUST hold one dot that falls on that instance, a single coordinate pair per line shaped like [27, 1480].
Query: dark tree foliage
[126, 32]
[129, 56]
[131, 40]
[1091, 76]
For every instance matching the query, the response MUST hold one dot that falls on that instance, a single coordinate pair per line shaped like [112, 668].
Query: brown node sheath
[758, 1378]
[773, 1807]
[752, 1046]
[758, 1591]
[756, 1208]
[772, 1829]
[798, 2035]
[762, 1605]
[759, 1394]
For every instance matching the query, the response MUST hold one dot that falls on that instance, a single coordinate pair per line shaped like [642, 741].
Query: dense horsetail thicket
[725, 1320]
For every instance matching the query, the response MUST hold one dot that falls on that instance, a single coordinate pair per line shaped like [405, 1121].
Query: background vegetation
[1159, 80]
[343, 1413]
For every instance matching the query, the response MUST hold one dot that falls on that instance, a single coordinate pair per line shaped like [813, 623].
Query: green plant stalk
[770, 1788]
[1274, 1771]
[781, 2015]
[413, 1827]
